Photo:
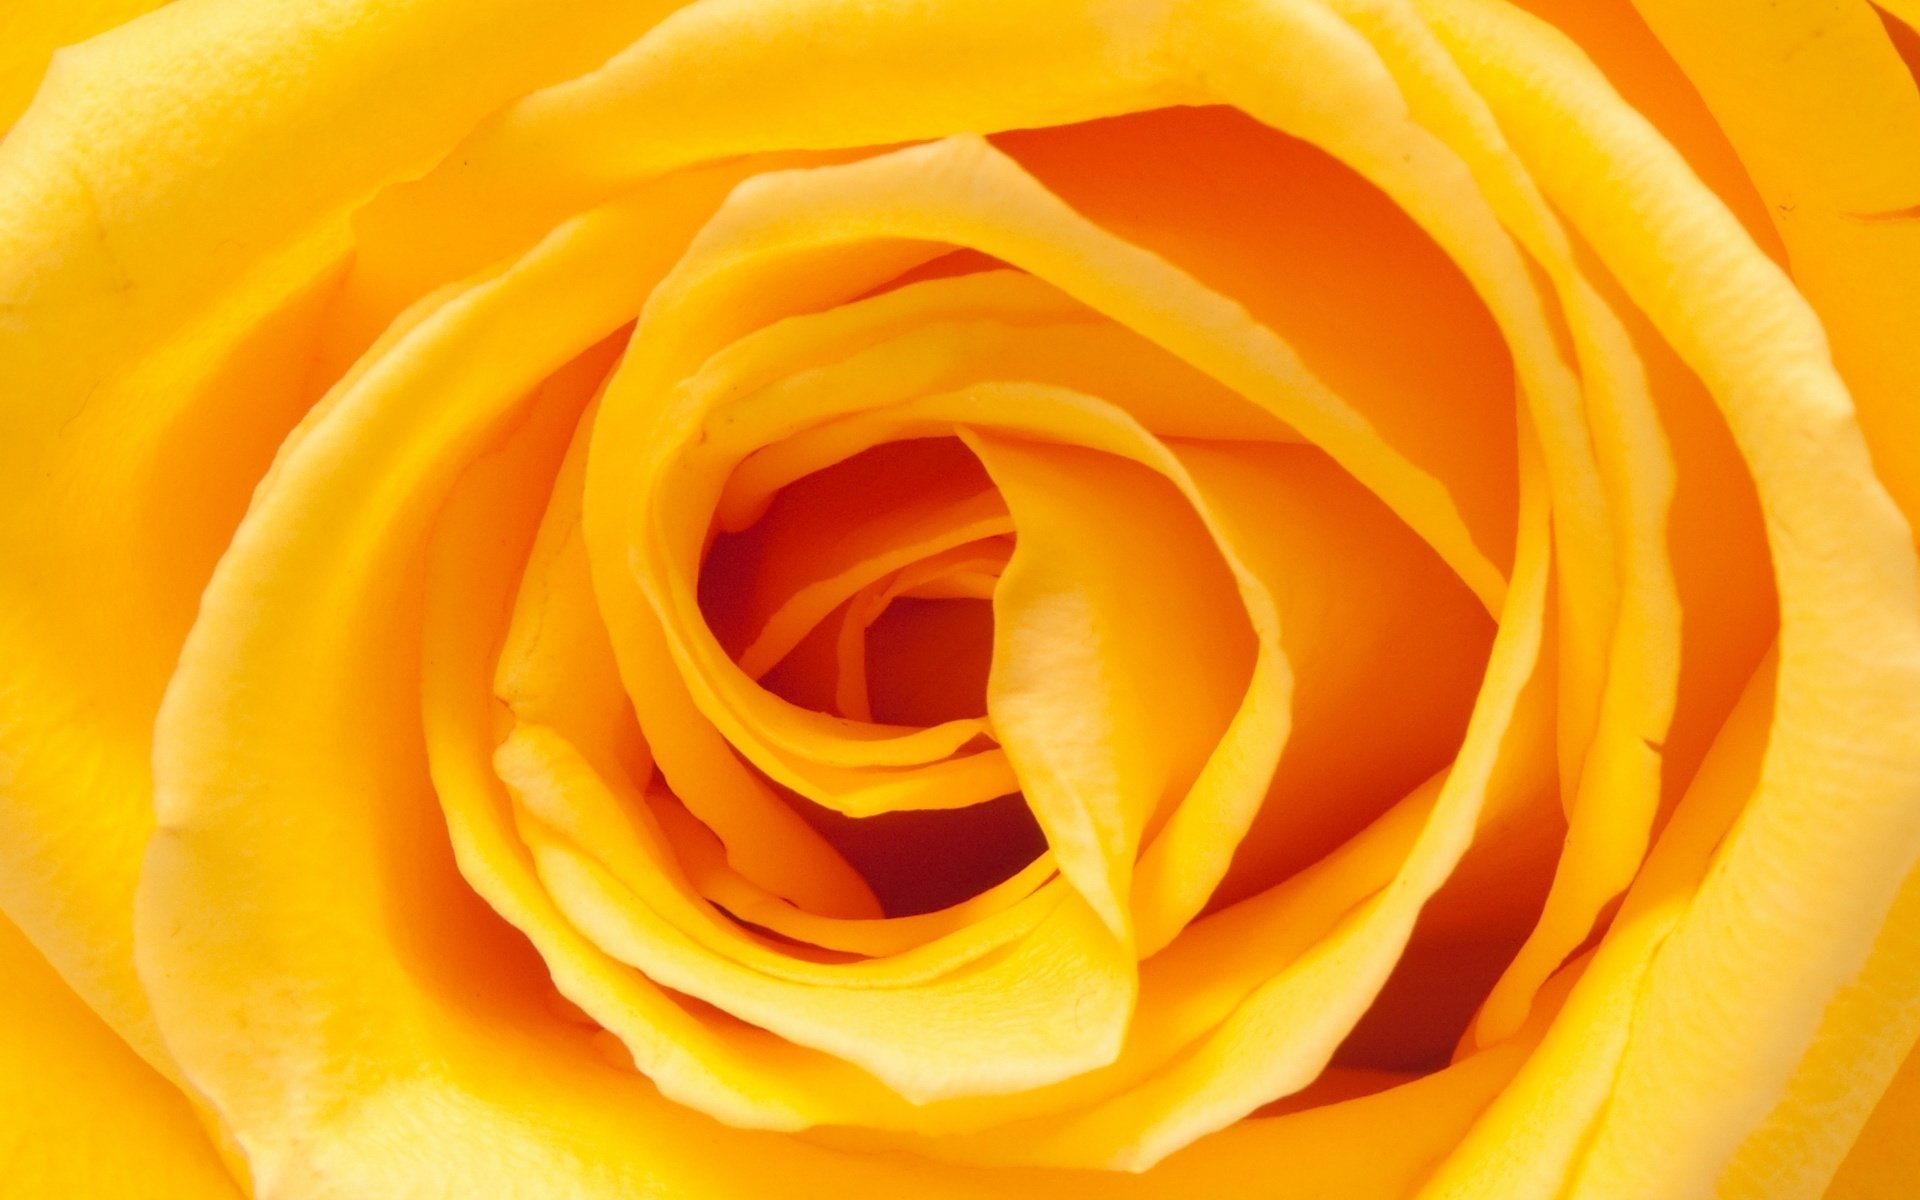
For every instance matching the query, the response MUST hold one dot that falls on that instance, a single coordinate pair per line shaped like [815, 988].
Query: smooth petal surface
[80, 1114]
[1884, 1159]
[1101, 599]
[163, 318]
[32, 33]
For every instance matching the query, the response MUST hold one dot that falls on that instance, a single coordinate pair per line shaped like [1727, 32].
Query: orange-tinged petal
[411, 887]
[1885, 1160]
[700, 855]
[1314, 251]
[1825, 115]
[1530, 1140]
[1385, 648]
[1434, 147]
[967, 572]
[81, 1115]
[1281, 1035]
[1831, 819]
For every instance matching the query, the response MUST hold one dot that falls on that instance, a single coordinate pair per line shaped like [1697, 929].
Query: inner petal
[926, 860]
[1121, 652]
[927, 660]
[848, 578]
[834, 531]
[965, 573]
[1306, 245]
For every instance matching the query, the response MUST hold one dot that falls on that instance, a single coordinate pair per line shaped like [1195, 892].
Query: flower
[1090, 598]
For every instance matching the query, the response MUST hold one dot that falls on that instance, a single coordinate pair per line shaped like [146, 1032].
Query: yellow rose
[958, 599]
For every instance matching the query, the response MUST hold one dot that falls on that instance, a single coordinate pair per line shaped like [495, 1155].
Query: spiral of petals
[1102, 587]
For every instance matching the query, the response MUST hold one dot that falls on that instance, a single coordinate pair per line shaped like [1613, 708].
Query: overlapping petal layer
[976, 626]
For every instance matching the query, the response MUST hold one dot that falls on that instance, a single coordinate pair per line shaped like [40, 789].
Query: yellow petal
[1885, 1161]
[80, 1115]
[557, 669]
[1824, 114]
[855, 75]
[1831, 833]
[1839, 1083]
[968, 572]
[1120, 653]
[1304, 243]
[1431, 144]
[1279, 1037]
[169, 231]
[353, 493]
[751, 1077]
[994, 1019]
[1529, 1141]
[31, 33]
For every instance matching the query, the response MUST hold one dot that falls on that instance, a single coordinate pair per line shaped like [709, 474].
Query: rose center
[862, 593]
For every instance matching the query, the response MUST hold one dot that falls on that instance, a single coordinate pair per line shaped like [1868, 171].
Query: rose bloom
[941, 598]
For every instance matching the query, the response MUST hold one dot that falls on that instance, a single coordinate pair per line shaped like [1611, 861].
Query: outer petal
[1824, 113]
[1529, 1141]
[1838, 1085]
[1816, 100]
[32, 30]
[435, 1041]
[81, 1117]
[476, 1067]
[1802, 886]
[158, 323]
